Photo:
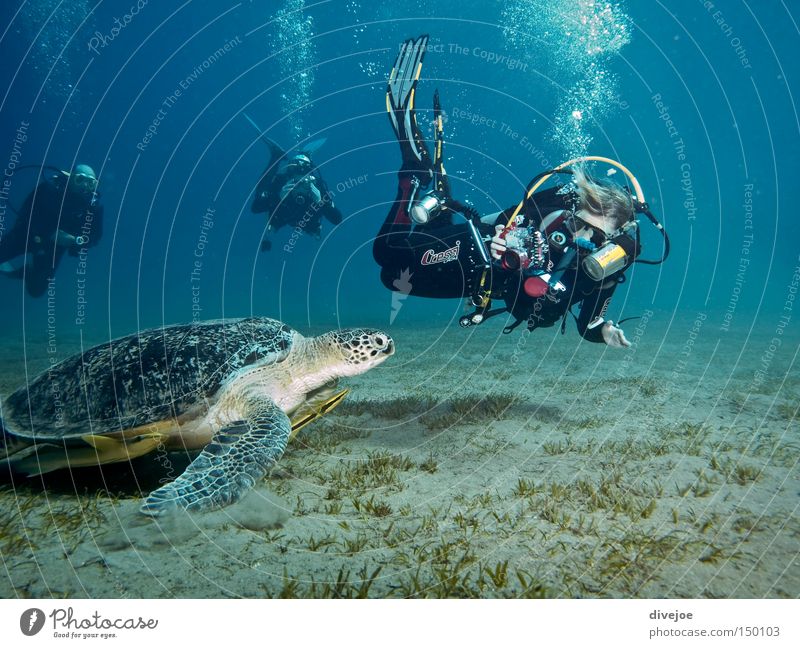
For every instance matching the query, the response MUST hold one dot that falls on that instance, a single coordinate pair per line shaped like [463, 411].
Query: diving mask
[83, 182]
[298, 164]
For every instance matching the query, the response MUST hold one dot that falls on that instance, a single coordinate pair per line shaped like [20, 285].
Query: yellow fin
[314, 409]
[165, 427]
[101, 450]
[109, 450]
[102, 443]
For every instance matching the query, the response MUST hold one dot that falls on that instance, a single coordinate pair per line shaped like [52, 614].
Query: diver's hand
[498, 245]
[613, 336]
[64, 239]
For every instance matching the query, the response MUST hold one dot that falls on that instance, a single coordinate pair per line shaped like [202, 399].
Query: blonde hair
[606, 199]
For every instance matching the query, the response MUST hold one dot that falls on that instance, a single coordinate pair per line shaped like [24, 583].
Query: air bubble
[55, 48]
[295, 33]
[578, 39]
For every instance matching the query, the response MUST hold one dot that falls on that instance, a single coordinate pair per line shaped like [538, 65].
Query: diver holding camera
[557, 248]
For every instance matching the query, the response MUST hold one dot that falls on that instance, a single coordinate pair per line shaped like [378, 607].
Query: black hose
[468, 210]
[643, 208]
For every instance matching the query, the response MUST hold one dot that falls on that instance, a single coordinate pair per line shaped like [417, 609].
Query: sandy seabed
[471, 464]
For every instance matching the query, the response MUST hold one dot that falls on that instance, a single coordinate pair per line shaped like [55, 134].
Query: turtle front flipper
[238, 456]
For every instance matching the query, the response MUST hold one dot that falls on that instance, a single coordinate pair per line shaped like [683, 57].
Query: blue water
[734, 113]
[697, 100]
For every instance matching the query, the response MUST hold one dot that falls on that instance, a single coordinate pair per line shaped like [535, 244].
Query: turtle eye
[380, 341]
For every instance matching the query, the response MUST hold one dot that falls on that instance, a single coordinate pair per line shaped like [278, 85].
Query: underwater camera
[526, 247]
[614, 255]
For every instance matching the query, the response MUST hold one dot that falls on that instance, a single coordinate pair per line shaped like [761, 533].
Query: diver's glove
[67, 240]
[498, 246]
[613, 335]
[63, 239]
[315, 193]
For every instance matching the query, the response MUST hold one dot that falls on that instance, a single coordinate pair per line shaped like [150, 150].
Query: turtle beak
[389, 350]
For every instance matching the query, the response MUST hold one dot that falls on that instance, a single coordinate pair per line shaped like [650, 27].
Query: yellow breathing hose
[587, 158]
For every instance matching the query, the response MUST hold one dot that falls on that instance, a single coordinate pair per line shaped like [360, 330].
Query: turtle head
[360, 349]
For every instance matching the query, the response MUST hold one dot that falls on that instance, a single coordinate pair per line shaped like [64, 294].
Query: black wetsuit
[297, 208]
[437, 260]
[592, 296]
[441, 260]
[51, 207]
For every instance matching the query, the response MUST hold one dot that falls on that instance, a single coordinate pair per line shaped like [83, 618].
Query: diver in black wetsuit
[556, 249]
[291, 192]
[62, 214]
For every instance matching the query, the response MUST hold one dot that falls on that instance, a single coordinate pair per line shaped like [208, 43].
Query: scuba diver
[557, 248]
[291, 191]
[62, 214]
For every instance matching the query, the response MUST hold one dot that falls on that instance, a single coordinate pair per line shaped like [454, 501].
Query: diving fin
[400, 91]
[275, 151]
[312, 147]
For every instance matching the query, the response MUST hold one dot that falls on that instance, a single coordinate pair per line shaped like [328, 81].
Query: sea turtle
[237, 389]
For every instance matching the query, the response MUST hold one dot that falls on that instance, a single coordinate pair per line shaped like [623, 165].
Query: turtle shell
[144, 378]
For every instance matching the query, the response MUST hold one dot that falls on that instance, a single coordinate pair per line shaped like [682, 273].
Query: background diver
[291, 192]
[560, 247]
[62, 214]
